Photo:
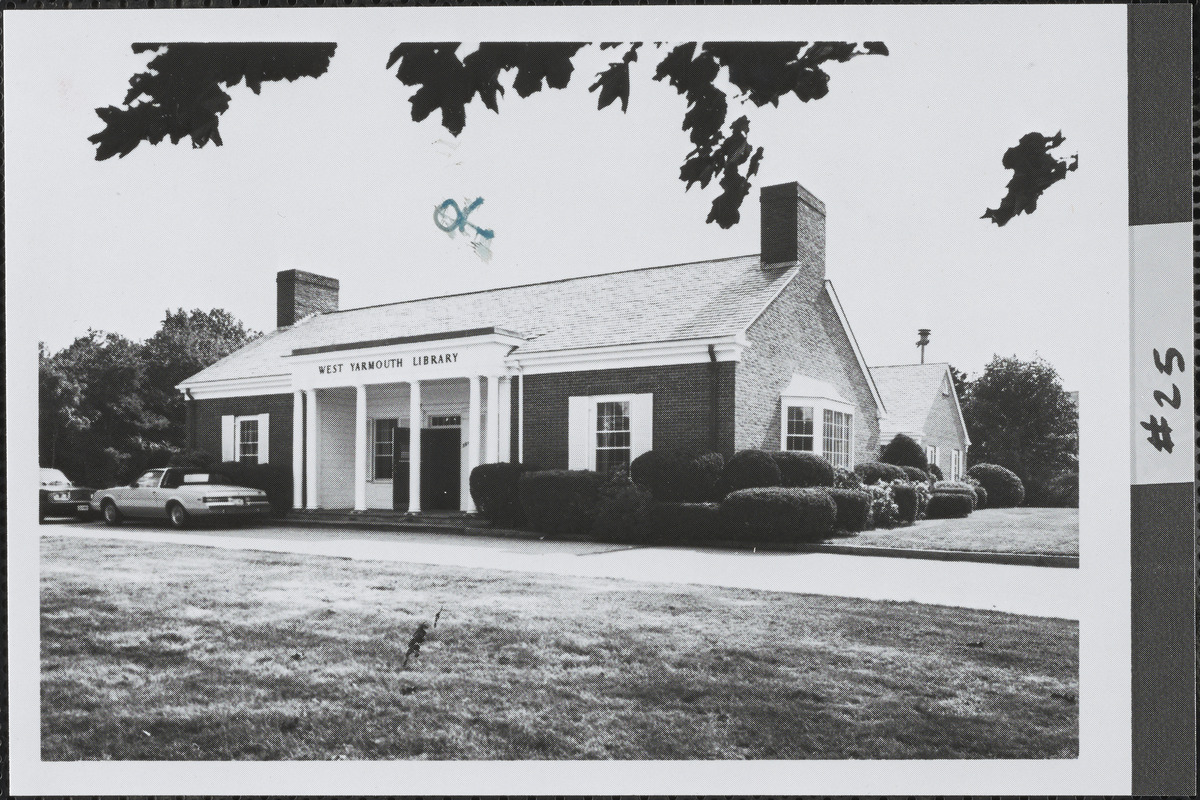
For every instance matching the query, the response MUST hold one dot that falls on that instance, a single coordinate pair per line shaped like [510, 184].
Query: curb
[974, 556]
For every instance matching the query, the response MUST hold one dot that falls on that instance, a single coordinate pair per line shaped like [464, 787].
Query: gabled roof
[910, 390]
[702, 299]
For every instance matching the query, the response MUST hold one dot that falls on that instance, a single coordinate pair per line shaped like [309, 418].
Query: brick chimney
[299, 293]
[792, 229]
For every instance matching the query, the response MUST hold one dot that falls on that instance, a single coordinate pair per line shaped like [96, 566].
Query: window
[445, 421]
[799, 428]
[836, 437]
[931, 454]
[955, 465]
[384, 454]
[613, 435]
[149, 480]
[247, 452]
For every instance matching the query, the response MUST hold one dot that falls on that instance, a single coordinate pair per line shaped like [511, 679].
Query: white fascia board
[862, 362]
[957, 407]
[648, 354]
[237, 387]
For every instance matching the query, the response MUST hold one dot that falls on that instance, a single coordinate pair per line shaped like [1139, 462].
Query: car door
[141, 498]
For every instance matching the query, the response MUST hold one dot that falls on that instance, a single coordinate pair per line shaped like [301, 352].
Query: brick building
[922, 403]
[583, 373]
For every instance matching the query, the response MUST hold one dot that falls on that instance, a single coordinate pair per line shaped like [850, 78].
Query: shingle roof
[909, 391]
[683, 301]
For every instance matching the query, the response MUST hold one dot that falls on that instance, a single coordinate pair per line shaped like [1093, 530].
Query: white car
[179, 495]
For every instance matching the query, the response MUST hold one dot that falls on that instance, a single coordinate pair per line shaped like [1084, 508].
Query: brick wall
[799, 333]
[943, 430]
[299, 294]
[683, 407]
[204, 429]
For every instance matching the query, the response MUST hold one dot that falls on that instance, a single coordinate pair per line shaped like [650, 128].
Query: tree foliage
[108, 406]
[180, 93]
[1019, 417]
[758, 72]
[1035, 170]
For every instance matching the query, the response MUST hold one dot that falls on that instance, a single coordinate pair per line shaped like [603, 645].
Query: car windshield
[54, 477]
[176, 478]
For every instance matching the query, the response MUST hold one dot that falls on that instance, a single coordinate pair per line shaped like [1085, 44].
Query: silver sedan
[179, 495]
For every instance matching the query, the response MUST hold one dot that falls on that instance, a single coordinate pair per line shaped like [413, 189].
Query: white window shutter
[641, 411]
[228, 438]
[579, 437]
[264, 437]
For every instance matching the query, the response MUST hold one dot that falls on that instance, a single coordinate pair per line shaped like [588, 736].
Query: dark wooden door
[441, 456]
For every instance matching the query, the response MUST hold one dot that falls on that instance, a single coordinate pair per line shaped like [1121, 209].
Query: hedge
[905, 495]
[677, 477]
[981, 498]
[936, 472]
[948, 505]
[776, 515]
[560, 501]
[709, 467]
[903, 451]
[1004, 488]
[853, 509]
[494, 490]
[749, 469]
[622, 513]
[684, 523]
[915, 475]
[879, 472]
[273, 479]
[799, 469]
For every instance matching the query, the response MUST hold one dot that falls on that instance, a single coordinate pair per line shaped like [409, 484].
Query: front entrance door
[441, 454]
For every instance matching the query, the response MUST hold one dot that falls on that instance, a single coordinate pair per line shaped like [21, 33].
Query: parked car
[58, 497]
[181, 496]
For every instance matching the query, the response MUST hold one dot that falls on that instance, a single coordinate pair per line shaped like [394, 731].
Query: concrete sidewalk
[1034, 591]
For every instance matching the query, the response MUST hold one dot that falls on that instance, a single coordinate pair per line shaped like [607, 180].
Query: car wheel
[111, 515]
[179, 517]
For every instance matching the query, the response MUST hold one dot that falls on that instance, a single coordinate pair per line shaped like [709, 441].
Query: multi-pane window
[955, 464]
[799, 428]
[385, 437]
[931, 454]
[836, 437]
[248, 441]
[613, 435]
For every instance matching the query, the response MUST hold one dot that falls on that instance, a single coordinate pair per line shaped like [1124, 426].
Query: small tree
[903, 451]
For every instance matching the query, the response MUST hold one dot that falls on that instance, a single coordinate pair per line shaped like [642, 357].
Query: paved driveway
[1036, 591]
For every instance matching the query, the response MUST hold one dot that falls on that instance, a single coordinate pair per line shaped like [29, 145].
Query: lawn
[996, 530]
[156, 651]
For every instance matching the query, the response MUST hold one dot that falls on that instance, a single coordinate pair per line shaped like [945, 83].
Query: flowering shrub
[923, 495]
[884, 511]
[846, 479]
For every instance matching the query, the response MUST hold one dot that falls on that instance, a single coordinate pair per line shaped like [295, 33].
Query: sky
[331, 175]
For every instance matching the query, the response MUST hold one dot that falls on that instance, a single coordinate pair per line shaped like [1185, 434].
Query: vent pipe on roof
[922, 340]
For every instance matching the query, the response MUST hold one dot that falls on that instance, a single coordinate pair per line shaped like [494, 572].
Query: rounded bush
[915, 475]
[846, 479]
[853, 509]
[775, 515]
[559, 501]
[191, 459]
[905, 495]
[903, 451]
[494, 490]
[684, 523]
[750, 469]
[936, 472]
[708, 468]
[879, 472]
[803, 470]
[981, 499]
[1004, 488]
[948, 505]
[1062, 491]
[622, 513]
[665, 475]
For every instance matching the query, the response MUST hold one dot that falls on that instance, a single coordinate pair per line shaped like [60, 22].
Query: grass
[996, 530]
[172, 652]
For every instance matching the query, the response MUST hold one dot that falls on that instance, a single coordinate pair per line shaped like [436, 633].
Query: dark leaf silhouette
[1035, 170]
[761, 73]
[180, 93]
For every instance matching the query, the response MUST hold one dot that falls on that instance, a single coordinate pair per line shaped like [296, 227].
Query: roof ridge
[538, 283]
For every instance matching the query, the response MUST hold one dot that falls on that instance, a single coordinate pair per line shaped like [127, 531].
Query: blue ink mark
[459, 221]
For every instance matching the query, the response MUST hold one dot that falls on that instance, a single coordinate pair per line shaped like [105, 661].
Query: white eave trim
[625, 356]
[862, 362]
[957, 407]
[237, 387]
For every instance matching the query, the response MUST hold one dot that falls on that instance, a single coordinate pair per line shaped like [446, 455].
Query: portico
[399, 423]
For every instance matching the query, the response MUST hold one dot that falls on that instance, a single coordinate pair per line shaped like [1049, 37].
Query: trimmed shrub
[980, 497]
[749, 469]
[774, 515]
[191, 459]
[905, 495]
[273, 479]
[884, 511]
[559, 501]
[846, 479]
[923, 495]
[936, 472]
[879, 472]
[622, 512]
[915, 475]
[494, 490]
[955, 487]
[948, 505]
[853, 509]
[903, 451]
[677, 477]
[709, 467]
[1004, 488]
[1062, 491]
[684, 523]
[803, 470]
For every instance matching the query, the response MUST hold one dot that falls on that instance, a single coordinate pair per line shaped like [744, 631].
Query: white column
[493, 420]
[311, 443]
[472, 433]
[414, 447]
[297, 449]
[505, 419]
[360, 448]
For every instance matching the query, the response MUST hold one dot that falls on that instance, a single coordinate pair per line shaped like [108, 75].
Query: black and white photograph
[559, 400]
